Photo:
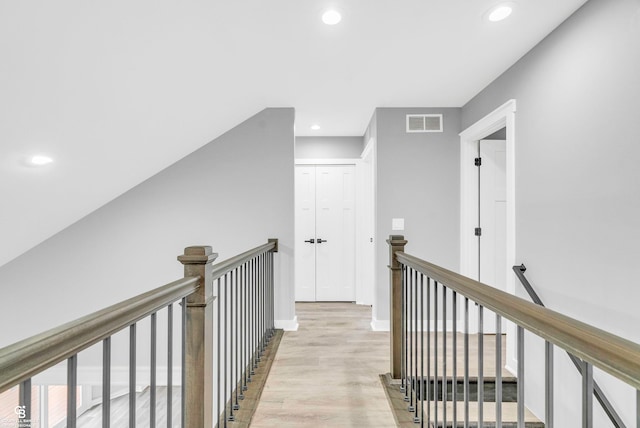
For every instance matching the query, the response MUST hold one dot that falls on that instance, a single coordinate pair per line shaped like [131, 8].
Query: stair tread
[509, 413]
[405, 419]
[474, 378]
[489, 353]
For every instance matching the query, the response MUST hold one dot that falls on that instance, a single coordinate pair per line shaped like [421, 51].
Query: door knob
[320, 241]
[311, 241]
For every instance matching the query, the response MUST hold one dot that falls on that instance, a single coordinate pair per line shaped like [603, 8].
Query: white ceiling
[117, 90]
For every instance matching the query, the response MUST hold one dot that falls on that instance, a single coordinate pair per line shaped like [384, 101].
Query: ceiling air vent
[424, 123]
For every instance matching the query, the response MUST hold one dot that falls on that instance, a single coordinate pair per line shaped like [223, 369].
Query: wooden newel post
[396, 243]
[198, 379]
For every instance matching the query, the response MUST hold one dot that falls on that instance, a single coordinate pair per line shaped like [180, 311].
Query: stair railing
[241, 335]
[421, 295]
[597, 391]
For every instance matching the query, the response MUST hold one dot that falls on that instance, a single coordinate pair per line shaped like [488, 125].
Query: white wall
[85, 83]
[577, 177]
[329, 147]
[234, 193]
[418, 179]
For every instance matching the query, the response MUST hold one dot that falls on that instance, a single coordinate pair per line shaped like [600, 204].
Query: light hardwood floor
[120, 411]
[326, 374]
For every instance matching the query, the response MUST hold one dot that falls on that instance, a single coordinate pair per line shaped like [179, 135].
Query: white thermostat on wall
[397, 224]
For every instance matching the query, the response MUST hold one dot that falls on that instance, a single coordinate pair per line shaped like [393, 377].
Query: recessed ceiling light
[40, 160]
[315, 127]
[331, 17]
[500, 12]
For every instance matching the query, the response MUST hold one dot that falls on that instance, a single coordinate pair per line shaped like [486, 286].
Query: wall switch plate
[397, 224]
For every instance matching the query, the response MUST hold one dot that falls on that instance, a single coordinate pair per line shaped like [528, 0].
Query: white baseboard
[287, 325]
[510, 367]
[380, 325]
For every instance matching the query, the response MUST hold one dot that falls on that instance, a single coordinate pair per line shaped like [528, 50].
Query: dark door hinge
[477, 161]
[478, 231]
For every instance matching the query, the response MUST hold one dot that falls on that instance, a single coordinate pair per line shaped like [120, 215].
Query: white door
[305, 230]
[493, 217]
[325, 233]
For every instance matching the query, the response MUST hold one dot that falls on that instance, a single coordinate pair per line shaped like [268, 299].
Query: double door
[325, 233]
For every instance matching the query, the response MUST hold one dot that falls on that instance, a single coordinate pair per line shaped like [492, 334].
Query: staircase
[436, 390]
[428, 301]
[443, 394]
[509, 400]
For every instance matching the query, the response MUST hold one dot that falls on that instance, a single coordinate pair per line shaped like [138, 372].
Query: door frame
[503, 116]
[497, 119]
[362, 294]
[366, 294]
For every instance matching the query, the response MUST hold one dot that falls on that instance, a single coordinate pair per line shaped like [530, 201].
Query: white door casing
[365, 227]
[503, 116]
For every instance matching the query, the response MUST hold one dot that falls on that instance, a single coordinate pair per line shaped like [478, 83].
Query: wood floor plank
[326, 373]
[92, 418]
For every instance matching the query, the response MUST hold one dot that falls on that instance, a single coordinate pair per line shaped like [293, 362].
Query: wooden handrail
[21, 361]
[613, 354]
[26, 358]
[220, 269]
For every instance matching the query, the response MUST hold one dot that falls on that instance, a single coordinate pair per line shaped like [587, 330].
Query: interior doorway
[325, 233]
[487, 248]
[500, 185]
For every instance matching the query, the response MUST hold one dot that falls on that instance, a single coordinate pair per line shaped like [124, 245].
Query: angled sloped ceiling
[234, 194]
[117, 90]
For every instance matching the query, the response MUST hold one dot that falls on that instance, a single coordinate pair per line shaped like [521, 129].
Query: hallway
[326, 374]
